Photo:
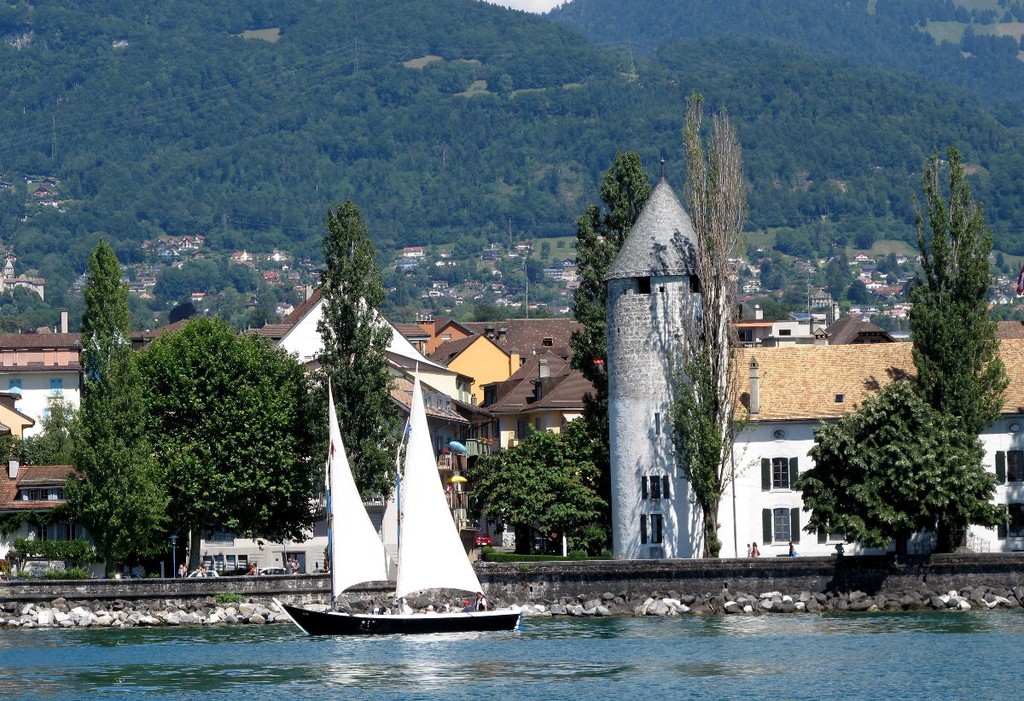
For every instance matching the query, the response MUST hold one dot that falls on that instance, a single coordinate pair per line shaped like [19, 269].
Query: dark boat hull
[334, 623]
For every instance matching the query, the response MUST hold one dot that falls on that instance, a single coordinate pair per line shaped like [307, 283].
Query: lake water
[947, 655]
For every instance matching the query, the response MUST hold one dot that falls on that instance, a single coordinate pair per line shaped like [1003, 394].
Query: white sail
[357, 553]
[430, 555]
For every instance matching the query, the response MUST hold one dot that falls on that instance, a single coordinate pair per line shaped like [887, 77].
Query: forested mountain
[449, 121]
[973, 44]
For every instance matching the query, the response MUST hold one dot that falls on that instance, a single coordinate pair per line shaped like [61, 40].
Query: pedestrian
[182, 570]
[749, 550]
[792, 550]
[754, 552]
[252, 569]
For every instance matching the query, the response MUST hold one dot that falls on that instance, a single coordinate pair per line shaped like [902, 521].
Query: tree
[895, 467]
[547, 483]
[702, 410]
[118, 496]
[599, 236]
[230, 416]
[354, 355]
[959, 372]
[54, 446]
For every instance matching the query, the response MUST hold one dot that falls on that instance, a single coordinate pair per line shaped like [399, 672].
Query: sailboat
[430, 552]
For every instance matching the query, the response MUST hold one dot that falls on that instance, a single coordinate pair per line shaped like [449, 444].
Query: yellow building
[479, 358]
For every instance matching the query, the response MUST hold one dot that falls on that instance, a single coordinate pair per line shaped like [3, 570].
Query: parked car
[273, 570]
[484, 540]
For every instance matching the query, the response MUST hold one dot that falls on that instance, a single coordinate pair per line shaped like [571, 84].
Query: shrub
[69, 573]
[229, 597]
[77, 550]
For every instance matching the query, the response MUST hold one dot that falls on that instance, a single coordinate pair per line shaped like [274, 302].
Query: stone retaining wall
[551, 583]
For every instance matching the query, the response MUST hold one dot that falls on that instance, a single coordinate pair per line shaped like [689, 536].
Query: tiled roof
[449, 350]
[662, 241]
[18, 341]
[853, 328]
[563, 389]
[32, 476]
[528, 336]
[1010, 329]
[401, 393]
[803, 382]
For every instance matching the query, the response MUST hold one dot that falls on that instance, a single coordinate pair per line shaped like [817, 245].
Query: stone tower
[652, 287]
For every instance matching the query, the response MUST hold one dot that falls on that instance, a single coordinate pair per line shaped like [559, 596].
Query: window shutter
[1001, 531]
[643, 530]
[822, 535]
[665, 494]
[794, 523]
[643, 487]
[793, 472]
[766, 474]
[1000, 467]
[766, 523]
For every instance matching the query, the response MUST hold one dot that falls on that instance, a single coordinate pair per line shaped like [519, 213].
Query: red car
[483, 540]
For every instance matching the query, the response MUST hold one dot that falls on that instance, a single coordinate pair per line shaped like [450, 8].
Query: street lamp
[174, 555]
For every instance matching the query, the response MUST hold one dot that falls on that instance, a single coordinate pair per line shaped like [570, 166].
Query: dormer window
[548, 342]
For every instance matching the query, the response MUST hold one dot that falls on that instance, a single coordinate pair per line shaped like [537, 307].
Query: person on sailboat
[481, 602]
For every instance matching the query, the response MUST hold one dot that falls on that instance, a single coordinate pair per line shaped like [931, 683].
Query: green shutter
[1000, 467]
[794, 523]
[766, 474]
[793, 472]
[665, 494]
[766, 524]
[822, 535]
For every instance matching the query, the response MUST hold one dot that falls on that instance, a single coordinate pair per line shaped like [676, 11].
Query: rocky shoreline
[60, 613]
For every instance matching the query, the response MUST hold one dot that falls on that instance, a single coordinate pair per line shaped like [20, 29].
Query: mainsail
[430, 554]
[357, 552]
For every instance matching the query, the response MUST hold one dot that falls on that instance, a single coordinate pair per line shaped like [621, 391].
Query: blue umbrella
[457, 447]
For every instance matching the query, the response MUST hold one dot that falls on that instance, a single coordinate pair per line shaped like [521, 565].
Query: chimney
[543, 371]
[755, 387]
[12, 468]
[63, 320]
[489, 331]
[502, 331]
[758, 312]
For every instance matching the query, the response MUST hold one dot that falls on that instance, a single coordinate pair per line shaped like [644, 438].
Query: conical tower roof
[662, 243]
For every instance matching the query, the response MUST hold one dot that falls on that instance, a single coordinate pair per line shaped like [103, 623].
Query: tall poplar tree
[959, 372]
[118, 496]
[354, 356]
[600, 233]
[702, 410]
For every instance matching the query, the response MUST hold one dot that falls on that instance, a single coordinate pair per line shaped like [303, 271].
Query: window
[778, 473]
[644, 286]
[522, 426]
[56, 387]
[651, 529]
[654, 487]
[62, 530]
[1009, 466]
[785, 332]
[14, 385]
[549, 342]
[42, 494]
[1014, 526]
[657, 423]
[780, 525]
[490, 395]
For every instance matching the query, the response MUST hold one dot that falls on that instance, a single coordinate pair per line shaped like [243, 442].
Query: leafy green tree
[548, 483]
[354, 355]
[229, 416]
[119, 497]
[600, 233]
[702, 410]
[895, 467]
[955, 347]
[959, 372]
[54, 445]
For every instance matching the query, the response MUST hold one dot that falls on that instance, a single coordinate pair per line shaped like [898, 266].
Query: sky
[528, 5]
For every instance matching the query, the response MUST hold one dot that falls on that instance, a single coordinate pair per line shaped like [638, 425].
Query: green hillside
[450, 121]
